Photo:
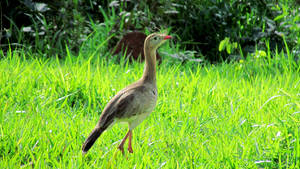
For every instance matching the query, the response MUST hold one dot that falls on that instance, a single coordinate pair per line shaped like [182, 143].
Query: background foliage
[48, 26]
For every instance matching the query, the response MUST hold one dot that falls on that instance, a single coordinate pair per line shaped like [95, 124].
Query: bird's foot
[121, 148]
[130, 150]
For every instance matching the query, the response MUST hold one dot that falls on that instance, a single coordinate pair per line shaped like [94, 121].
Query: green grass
[231, 115]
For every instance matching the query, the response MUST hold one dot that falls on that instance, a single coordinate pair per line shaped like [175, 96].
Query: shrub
[202, 25]
[48, 26]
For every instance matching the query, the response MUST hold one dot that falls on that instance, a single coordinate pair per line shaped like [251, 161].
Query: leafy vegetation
[48, 26]
[202, 25]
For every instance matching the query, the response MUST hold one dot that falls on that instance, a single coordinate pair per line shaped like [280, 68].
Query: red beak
[167, 37]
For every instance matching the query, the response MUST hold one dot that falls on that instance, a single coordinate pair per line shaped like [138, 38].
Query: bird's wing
[116, 108]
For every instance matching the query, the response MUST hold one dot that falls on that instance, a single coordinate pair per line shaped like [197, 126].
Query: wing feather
[116, 108]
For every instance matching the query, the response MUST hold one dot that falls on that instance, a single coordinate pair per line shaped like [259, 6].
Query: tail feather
[91, 139]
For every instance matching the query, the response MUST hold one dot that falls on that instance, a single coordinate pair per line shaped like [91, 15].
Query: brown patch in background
[133, 42]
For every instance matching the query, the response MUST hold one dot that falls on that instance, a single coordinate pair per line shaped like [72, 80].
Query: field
[242, 114]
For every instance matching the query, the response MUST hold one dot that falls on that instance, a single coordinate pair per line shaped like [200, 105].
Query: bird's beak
[167, 37]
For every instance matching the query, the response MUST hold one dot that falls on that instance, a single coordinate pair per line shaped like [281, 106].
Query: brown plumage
[135, 102]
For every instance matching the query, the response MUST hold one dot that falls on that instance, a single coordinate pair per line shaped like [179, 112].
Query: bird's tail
[91, 139]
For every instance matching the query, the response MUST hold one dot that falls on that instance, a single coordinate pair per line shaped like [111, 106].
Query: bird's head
[155, 40]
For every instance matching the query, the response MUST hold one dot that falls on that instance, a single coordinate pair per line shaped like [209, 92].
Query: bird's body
[135, 102]
[132, 104]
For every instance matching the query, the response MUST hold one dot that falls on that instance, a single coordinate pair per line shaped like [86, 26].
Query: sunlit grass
[243, 114]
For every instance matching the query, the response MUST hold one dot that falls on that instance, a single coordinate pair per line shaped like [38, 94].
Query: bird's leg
[121, 146]
[129, 142]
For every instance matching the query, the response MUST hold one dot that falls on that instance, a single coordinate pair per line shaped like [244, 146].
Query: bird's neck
[149, 74]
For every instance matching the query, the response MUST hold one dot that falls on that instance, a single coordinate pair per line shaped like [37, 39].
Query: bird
[133, 103]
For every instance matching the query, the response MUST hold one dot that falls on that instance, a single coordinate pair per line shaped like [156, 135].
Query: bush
[202, 25]
[48, 26]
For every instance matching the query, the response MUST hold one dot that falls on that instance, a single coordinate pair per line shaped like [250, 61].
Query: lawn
[242, 114]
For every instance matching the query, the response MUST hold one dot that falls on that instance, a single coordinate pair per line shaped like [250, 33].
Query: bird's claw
[121, 148]
[130, 150]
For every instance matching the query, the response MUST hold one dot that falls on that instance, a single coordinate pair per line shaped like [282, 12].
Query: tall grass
[244, 114]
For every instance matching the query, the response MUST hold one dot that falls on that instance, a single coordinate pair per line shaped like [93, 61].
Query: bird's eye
[155, 38]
